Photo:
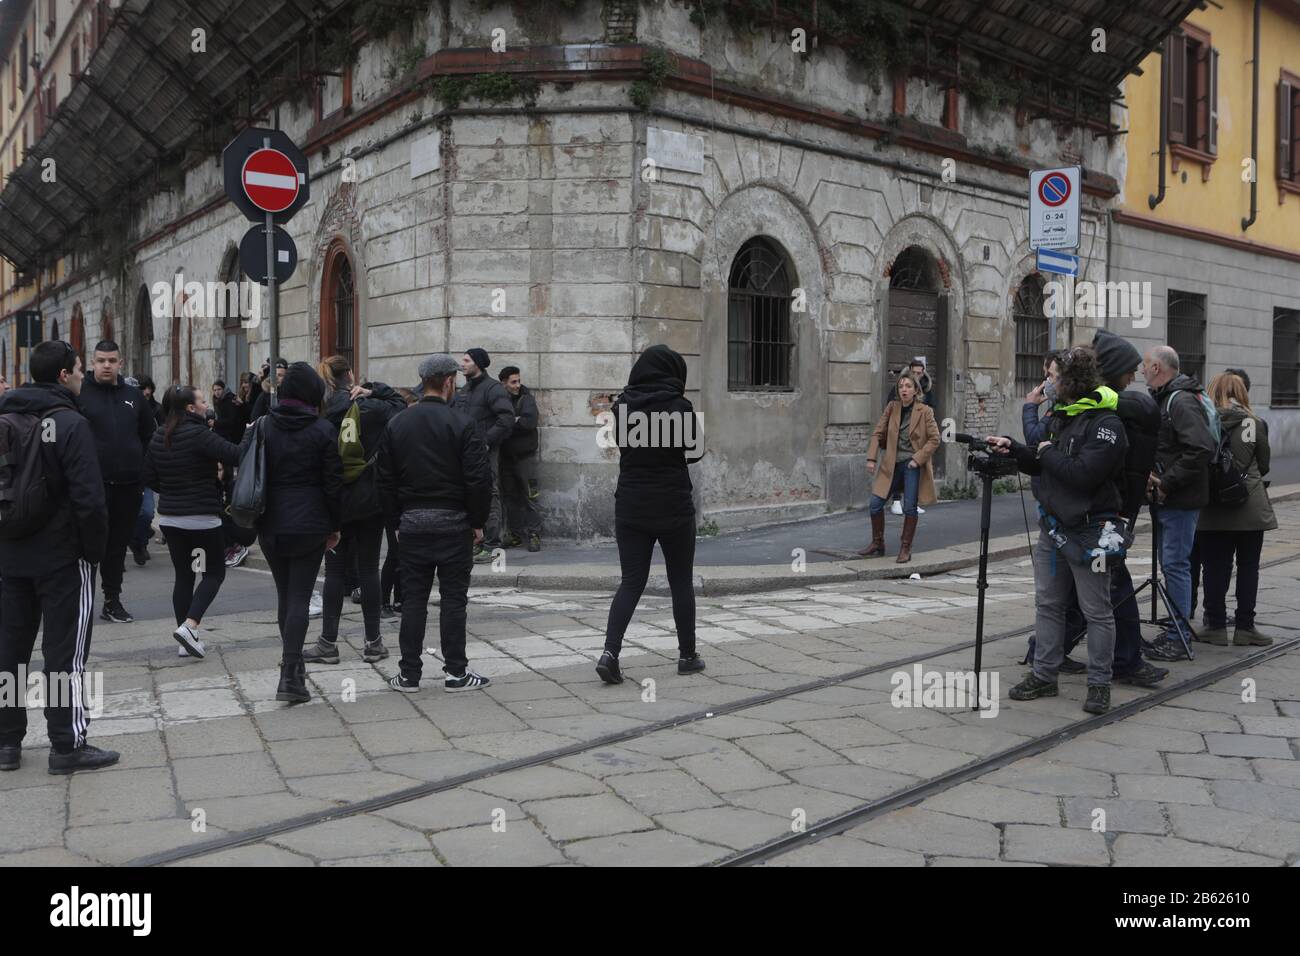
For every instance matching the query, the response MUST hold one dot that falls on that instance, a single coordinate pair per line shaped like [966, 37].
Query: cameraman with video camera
[1080, 466]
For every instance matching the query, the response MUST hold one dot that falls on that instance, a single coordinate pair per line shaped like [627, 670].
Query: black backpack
[27, 502]
[1229, 487]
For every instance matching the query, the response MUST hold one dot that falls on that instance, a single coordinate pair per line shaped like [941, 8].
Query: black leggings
[359, 546]
[295, 562]
[390, 578]
[636, 544]
[189, 601]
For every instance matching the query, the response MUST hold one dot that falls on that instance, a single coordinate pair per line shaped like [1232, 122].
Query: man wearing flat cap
[436, 486]
[487, 403]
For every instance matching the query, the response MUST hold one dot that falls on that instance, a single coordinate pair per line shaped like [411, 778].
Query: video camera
[983, 462]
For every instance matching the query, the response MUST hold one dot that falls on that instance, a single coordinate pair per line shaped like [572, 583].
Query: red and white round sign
[270, 180]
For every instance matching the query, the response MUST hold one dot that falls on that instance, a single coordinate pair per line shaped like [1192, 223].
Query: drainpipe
[1254, 126]
[1158, 198]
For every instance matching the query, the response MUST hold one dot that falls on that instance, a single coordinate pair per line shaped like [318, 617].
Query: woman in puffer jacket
[181, 466]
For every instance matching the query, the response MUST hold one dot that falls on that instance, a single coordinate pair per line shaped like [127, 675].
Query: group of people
[1098, 451]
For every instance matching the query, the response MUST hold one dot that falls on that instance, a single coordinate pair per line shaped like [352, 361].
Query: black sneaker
[115, 613]
[466, 681]
[534, 543]
[1166, 648]
[356, 595]
[1032, 687]
[374, 651]
[1098, 701]
[11, 755]
[1070, 666]
[141, 555]
[387, 612]
[84, 757]
[1144, 675]
[323, 652]
[400, 683]
[608, 669]
[690, 664]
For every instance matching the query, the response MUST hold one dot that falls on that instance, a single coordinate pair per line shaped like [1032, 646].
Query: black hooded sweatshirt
[653, 482]
[78, 528]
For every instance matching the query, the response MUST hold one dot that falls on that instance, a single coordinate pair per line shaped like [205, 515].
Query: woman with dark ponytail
[181, 466]
[359, 415]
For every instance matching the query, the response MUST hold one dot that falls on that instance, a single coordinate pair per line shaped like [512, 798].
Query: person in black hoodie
[363, 515]
[436, 485]
[487, 403]
[1081, 464]
[181, 466]
[304, 481]
[519, 465]
[658, 436]
[49, 575]
[122, 422]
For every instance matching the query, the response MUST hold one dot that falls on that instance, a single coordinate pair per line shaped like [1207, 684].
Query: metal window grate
[759, 342]
[1186, 312]
[1286, 358]
[343, 310]
[1031, 333]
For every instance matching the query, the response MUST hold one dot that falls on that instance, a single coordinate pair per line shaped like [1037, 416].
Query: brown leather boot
[877, 546]
[905, 541]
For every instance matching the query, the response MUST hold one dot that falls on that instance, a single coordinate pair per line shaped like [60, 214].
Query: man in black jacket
[1119, 361]
[1179, 484]
[262, 400]
[122, 423]
[519, 465]
[436, 484]
[487, 403]
[50, 574]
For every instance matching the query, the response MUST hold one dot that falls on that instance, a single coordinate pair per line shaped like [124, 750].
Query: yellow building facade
[1216, 244]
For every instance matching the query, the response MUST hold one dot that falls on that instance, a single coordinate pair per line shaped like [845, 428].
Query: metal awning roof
[1054, 38]
[143, 96]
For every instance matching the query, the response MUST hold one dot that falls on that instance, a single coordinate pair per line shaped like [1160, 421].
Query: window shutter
[1213, 135]
[1294, 151]
[1199, 134]
[1284, 133]
[1177, 90]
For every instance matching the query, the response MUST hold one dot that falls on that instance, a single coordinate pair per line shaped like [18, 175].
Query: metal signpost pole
[274, 308]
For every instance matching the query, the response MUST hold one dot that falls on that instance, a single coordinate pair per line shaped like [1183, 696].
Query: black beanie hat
[303, 384]
[1115, 356]
[480, 357]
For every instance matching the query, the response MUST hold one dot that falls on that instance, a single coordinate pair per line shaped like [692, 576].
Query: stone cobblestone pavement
[207, 753]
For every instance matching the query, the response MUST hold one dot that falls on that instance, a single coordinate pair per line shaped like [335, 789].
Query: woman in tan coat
[905, 441]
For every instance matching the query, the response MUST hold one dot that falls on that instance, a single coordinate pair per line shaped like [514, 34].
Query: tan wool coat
[884, 449]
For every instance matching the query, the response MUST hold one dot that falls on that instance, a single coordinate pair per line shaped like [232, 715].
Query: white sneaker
[315, 604]
[896, 508]
[181, 651]
[188, 639]
[236, 556]
[920, 510]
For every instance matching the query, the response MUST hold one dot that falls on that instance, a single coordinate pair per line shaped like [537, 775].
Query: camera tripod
[1158, 591]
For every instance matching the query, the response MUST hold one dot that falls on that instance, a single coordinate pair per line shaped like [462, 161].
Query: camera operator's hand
[1042, 445]
[871, 467]
[998, 443]
[1036, 395]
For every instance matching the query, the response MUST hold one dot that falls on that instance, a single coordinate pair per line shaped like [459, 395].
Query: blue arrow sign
[1060, 263]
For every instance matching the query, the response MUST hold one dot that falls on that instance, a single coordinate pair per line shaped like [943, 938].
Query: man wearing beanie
[1118, 361]
[436, 486]
[487, 403]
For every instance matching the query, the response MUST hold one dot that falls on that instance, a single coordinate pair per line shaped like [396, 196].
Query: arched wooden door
[339, 322]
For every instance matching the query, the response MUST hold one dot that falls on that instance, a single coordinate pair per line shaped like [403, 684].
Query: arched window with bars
[760, 340]
[339, 320]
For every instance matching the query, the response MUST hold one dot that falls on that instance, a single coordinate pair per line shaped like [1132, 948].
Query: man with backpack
[53, 528]
[1179, 486]
[122, 422]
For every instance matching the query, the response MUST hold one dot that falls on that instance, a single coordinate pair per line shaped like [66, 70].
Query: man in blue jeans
[1180, 484]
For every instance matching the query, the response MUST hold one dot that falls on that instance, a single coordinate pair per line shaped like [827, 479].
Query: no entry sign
[264, 172]
[270, 180]
[1054, 208]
